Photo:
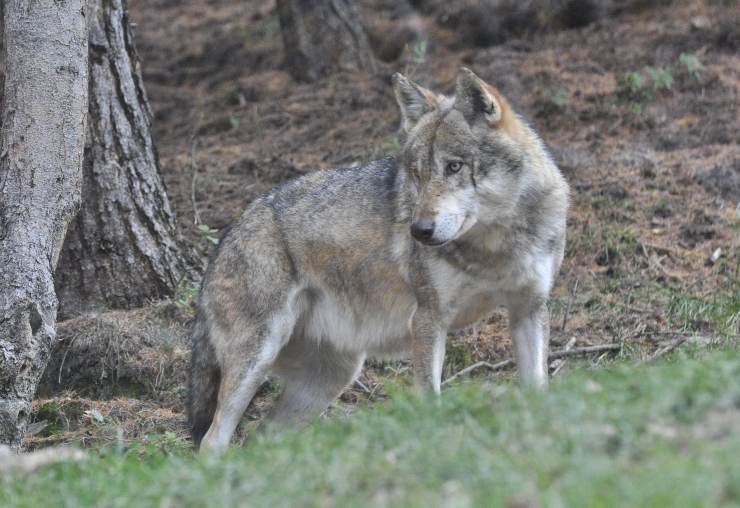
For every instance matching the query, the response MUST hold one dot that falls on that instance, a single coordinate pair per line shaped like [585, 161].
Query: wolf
[382, 260]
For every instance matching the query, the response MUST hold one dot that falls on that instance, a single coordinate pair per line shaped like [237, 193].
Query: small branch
[585, 350]
[660, 249]
[363, 386]
[562, 353]
[671, 346]
[560, 362]
[470, 368]
[61, 365]
[671, 332]
[567, 308]
[194, 168]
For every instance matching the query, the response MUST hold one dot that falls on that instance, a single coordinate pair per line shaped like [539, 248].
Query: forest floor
[640, 111]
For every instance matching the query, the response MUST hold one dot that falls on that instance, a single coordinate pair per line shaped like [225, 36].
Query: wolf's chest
[470, 294]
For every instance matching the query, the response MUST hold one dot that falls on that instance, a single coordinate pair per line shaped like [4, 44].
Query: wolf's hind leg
[243, 371]
[315, 374]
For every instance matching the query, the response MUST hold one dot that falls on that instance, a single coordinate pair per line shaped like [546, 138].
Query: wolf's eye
[454, 167]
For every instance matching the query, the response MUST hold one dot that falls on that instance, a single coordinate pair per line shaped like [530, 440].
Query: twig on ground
[370, 392]
[491, 366]
[562, 353]
[403, 368]
[660, 249]
[559, 363]
[64, 358]
[363, 386]
[194, 167]
[567, 308]
[671, 346]
[601, 358]
[371, 395]
[585, 350]
[634, 308]
[671, 332]
[655, 261]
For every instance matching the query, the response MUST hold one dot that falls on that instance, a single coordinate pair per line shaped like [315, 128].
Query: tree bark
[122, 250]
[322, 37]
[41, 149]
[2, 53]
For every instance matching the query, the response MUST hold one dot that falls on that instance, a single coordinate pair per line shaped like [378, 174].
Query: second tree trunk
[322, 37]
[123, 248]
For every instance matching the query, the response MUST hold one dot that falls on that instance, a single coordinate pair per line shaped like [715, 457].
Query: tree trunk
[122, 250]
[2, 52]
[322, 37]
[41, 149]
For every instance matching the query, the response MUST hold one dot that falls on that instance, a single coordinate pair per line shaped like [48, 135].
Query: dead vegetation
[141, 353]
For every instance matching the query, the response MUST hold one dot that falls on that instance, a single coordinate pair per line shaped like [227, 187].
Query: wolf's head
[464, 155]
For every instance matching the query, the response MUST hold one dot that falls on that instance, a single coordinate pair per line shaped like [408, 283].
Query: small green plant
[260, 32]
[53, 414]
[620, 239]
[661, 78]
[692, 64]
[458, 355]
[631, 86]
[662, 208]
[639, 86]
[415, 56]
[391, 146]
[560, 98]
[208, 233]
[419, 52]
[185, 293]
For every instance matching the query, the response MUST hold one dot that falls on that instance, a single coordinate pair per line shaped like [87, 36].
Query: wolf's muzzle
[423, 230]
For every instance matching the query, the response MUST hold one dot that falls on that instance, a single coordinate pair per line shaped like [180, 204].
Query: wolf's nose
[422, 230]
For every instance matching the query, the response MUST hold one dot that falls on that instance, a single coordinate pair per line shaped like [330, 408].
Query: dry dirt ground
[639, 109]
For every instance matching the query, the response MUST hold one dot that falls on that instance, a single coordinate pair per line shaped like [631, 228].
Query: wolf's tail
[205, 377]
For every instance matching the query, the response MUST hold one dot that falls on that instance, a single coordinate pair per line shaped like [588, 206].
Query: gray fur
[323, 271]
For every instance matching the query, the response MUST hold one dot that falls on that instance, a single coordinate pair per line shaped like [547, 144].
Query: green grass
[658, 436]
[716, 313]
[720, 311]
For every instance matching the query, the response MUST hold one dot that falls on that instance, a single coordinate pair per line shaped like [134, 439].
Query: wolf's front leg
[530, 330]
[428, 336]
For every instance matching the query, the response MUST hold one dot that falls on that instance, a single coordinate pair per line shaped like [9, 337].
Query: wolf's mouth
[465, 224]
[431, 242]
[438, 244]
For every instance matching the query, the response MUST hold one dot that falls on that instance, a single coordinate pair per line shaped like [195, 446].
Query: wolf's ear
[476, 99]
[414, 100]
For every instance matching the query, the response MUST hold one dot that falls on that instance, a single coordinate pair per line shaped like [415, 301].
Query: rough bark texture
[41, 150]
[122, 249]
[2, 51]
[322, 37]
